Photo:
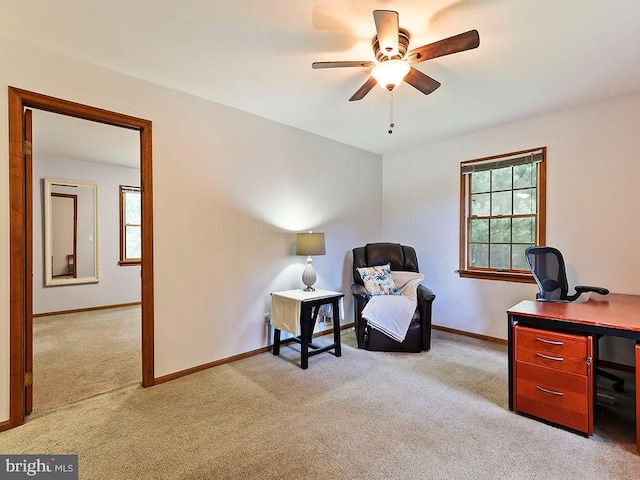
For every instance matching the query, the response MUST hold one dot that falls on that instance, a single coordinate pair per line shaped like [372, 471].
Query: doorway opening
[21, 240]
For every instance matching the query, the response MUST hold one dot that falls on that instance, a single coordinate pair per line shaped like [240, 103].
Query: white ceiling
[535, 56]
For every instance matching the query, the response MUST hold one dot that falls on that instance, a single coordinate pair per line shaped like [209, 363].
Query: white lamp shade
[389, 74]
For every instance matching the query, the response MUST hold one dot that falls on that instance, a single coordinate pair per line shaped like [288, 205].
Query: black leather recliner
[401, 258]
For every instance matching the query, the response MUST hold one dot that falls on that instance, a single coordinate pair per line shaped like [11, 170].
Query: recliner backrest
[401, 258]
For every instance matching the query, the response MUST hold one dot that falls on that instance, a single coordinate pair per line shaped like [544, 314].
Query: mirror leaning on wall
[71, 242]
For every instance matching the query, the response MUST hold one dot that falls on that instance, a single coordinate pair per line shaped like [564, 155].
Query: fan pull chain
[391, 124]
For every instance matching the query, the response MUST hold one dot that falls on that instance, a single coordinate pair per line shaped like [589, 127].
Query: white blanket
[392, 314]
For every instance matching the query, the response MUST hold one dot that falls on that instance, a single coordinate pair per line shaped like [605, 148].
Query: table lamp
[309, 244]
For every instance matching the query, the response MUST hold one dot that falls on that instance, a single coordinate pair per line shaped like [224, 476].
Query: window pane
[501, 203]
[479, 231]
[524, 201]
[481, 181]
[500, 230]
[524, 175]
[132, 207]
[133, 242]
[479, 255]
[500, 256]
[501, 179]
[480, 204]
[524, 230]
[518, 260]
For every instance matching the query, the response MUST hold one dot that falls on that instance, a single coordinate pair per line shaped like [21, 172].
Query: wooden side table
[291, 309]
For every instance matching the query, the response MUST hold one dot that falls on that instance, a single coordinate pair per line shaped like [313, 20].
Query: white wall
[117, 284]
[230, 191]
[592, 174]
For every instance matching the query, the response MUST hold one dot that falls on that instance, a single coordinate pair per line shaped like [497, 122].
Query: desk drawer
[558, 397]
[556, 360]
[551, 342]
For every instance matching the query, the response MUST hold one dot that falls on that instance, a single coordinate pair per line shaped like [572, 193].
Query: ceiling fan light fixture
[390, 73]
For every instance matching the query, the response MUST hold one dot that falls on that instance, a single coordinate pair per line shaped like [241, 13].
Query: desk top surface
[615, 310]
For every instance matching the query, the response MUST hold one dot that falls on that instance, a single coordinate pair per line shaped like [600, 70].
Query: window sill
[129, 263]
[494, 275]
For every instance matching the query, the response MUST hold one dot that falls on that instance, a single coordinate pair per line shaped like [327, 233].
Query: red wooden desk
[614, 314]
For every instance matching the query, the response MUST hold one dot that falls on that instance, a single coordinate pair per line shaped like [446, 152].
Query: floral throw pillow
[378, 280]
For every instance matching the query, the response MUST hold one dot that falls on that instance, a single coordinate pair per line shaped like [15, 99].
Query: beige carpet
[79, 355]
[367, 415]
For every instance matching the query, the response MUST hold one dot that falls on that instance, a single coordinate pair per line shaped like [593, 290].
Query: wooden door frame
[19, 216]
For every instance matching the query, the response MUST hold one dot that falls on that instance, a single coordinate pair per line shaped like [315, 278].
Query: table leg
[313, 315]
[305, 336]
[336, 327]
[638, 397]
[276, 341]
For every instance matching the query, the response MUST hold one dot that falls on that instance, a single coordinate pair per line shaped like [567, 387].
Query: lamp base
[309, 276]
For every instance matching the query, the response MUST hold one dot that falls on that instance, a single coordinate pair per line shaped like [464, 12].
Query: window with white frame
[502, 212]
[130, 225]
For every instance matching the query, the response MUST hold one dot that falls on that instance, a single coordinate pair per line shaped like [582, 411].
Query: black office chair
[547, 266]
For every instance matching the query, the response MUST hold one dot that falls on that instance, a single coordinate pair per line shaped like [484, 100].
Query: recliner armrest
[425, 294]
[357, 289]
[361, 298]
[425, 301]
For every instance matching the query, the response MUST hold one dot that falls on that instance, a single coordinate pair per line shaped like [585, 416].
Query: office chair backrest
[547, 267]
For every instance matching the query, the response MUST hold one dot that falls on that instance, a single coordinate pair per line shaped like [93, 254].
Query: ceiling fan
[394, 59]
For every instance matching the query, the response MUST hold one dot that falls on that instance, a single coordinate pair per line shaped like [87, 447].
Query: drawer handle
[560, 394]
[549, 341]
[557, 359]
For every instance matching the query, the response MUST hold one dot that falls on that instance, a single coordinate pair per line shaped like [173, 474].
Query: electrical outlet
[267, 317]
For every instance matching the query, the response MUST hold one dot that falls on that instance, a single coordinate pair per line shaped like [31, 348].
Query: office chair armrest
[584, 288]
[580, 289]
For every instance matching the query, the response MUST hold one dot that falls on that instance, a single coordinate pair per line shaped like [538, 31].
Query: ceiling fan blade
[363, 90]
[387, 29]
[455, 44]
[341, 64]
[422, 82]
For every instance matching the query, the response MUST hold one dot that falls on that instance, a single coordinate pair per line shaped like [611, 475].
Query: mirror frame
[49, 281]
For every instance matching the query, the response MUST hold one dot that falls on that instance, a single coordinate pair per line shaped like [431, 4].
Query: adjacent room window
[502, 212]
[130, 225]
